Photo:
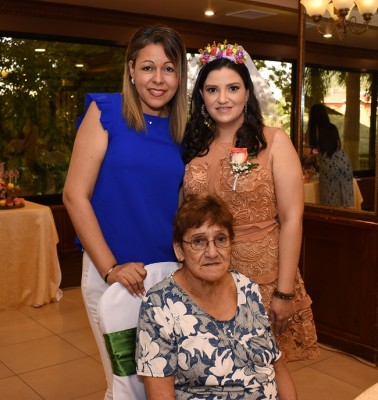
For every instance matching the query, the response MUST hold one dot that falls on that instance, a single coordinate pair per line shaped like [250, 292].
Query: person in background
[126, 171]
[318, 120]
[255, 169]
[330, 160]
[335, 170]
[203, 332]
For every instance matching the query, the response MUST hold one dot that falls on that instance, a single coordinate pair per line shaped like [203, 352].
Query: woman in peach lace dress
[264, 191]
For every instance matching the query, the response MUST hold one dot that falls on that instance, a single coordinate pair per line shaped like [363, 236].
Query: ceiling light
[340, 12]
[39, 50]
[209, 13]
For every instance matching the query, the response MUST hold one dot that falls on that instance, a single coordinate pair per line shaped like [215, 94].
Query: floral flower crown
[222, 50]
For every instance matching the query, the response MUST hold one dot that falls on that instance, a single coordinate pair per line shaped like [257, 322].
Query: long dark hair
[318, 121]
[329, 140]
[199, 134]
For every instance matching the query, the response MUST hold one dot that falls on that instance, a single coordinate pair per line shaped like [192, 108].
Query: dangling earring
[132, 81]
[245, 110]
[204, 111]
[208, 121]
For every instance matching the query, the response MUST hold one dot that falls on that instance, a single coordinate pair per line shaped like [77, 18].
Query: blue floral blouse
[336, 179]
[210, 359]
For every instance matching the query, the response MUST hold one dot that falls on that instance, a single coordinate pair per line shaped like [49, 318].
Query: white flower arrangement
[240, 164]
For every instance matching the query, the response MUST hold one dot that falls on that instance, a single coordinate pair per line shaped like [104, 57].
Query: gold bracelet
[110, 270]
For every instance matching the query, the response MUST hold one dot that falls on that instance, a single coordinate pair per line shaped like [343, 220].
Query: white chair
[370, 393]
[118, 312]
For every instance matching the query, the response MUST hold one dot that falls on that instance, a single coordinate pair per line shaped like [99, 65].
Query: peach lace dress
[255, 251]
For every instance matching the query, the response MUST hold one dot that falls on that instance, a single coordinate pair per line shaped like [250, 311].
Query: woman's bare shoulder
[276, 137]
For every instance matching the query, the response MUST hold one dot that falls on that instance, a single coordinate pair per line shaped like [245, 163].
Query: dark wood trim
[340, 217]
[333, 339]
[21, 16]
[53, 20]
[70, 257]
[341, 57]
[339, 264]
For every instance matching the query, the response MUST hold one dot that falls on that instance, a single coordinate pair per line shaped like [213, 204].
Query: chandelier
[340, 12]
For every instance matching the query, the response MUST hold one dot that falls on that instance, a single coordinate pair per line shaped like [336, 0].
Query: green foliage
[279, 75]
[41, 95]
[317, 82]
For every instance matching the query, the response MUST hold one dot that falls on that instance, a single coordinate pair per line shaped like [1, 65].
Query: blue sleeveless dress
[136, 194]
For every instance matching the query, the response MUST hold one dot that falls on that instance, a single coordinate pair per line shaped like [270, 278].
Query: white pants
[93, 287]
[116, 317]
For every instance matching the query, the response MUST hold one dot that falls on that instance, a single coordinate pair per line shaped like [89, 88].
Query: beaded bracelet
[110, 270]
[283, 296]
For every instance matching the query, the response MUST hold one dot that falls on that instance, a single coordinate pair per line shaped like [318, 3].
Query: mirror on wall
[337, 132]
[339, 136]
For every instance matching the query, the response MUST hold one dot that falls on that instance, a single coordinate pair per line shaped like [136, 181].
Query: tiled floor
[49, 353]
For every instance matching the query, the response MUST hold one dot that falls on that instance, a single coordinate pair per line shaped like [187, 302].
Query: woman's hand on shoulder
[131, 275]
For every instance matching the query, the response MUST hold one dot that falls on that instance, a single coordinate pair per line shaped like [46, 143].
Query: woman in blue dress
[126, 170]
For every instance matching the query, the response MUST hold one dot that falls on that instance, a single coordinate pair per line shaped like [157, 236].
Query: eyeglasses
[201, 243]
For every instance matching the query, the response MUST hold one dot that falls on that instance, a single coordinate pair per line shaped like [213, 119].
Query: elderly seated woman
[203, 332]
